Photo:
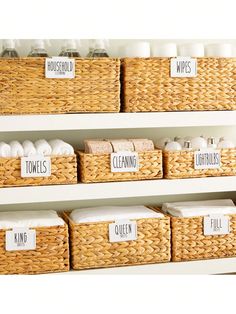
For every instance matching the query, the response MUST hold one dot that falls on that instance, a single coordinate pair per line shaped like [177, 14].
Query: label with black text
[60, 67]
[207, 159]
[216, 225]
[123, 230]
[124, 162]
[19, 239]
[183, 67]
[35, 166]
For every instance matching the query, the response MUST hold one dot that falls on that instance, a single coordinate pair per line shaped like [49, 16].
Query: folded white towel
[16, 149]
[43, 148]
[44, 218]
[193, 211]
[60, 147]
[220, 202]
[5, 150]
[112, 213]
[29, 148]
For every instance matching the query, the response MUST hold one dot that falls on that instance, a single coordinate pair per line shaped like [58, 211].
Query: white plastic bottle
[9, 49]
[71, 49]
[38, 49]
[91, 48]
[100, 49]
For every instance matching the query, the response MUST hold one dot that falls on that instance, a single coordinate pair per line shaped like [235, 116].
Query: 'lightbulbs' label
[183, 67]
[207, 159]
[216, 225]
[35, 166]
[60, 67]
[124, 162]
[20, 239]
[123, 230]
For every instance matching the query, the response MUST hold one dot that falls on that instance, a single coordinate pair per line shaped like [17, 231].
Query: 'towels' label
[123, 230]
[20, 239]
[207, 159]
[60, 67]
[183, 67]
[124, 162]
[35, 166]
[216, 225]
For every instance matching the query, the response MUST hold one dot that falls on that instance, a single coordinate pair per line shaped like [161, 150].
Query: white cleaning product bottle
[38, 49]
[100, 49]
[91, 45]
[9, 49]
[71, 49]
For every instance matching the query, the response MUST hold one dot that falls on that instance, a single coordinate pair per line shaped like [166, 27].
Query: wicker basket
[25, 90]
[188, 241]
[180, 164]
[51, 254]
[90, 246]
[147, 86]
[96, 167]
[63, 171]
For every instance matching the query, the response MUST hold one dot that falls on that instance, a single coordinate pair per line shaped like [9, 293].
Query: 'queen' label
[183, 67]
[35, 166]
[207, 159]
[123, 230]
[60, 67]
[124, 162]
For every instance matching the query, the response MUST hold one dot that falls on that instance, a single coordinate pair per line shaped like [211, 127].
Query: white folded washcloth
[220, 202]
[193, 211]
[5, 150]
[60, 147]
[43, 147]
[16, 149]
[29, 148]
[18, 219]
[112, 213]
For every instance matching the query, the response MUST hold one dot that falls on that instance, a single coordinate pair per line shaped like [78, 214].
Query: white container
[164, 50]
[139, 49]
[195, 50]
[218, 50]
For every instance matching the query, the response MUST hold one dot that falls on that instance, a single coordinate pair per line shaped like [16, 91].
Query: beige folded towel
[97, 147]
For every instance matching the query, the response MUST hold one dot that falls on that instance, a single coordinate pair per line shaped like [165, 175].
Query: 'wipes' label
[123, 230]
[207, 159]
[183, 67]
[35, 166]
[20, 239]
[216, 225]
[124, 162]
[60, 67]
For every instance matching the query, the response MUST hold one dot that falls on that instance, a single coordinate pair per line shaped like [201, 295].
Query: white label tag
[216, 225]
[60, 67]
[183, 67]
[20, 239]
[35, 166]
[207, 159]
[123, 230]
[124, 162]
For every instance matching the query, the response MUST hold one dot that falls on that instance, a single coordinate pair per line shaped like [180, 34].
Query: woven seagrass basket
[180, 164]
[96, 167]
[63, 171]
[51, 253]
[90, 246]
[147, 86]
[25, 90]
[188, 241]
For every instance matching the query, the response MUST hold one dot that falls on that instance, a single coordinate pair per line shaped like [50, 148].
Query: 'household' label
[60, 67]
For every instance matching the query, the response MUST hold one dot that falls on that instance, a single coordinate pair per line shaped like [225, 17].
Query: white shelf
[213, 266]
[93, 191]
[115, 121]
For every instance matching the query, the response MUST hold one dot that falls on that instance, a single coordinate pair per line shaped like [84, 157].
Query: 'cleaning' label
[124, 162]
[35, 166]
[20, 239]
[123, 230]
[216, 225]
[207, 159]
[183, 67]
[60, 67]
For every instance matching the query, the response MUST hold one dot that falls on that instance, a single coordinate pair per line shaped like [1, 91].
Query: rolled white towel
[43, 147]
[16, 149]
[60, 147]
[29, 148]
[5, 150]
